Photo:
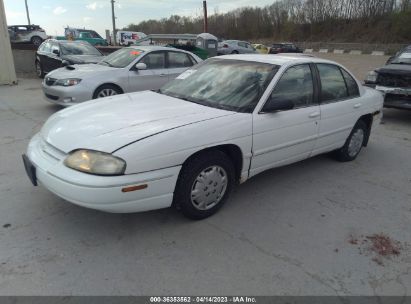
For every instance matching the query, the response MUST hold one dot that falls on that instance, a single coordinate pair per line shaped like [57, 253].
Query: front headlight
[67, 82]
[372, 77]
[94, 162]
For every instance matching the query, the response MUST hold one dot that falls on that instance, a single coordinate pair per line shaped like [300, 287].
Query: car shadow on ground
[397, 116]
[240, 205]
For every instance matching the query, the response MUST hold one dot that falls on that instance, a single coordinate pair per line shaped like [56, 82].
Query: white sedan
[216, 125]
[129, 69]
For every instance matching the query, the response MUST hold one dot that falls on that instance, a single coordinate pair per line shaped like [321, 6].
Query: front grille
[397, 81]
[52, 96]
[50, 81]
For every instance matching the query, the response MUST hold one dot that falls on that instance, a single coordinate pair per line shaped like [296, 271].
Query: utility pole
[114, 22]
[205, 17]
[27, 12]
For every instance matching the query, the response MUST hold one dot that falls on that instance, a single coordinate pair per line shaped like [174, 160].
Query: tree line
[382, 21]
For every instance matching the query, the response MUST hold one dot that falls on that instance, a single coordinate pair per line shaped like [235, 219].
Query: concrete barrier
[378, 53]
[308, 51]
[323, 51]
[338, 52]
[355, 52]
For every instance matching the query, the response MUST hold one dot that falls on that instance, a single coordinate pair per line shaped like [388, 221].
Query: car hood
[80, 71]
[83, 58]
[397, 69]
[111, 123]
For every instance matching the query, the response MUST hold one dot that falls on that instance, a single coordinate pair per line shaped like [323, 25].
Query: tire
[39, 69]
[354, 143]
[106, 90]
[213, 168]
[36, 40]
[234, 52]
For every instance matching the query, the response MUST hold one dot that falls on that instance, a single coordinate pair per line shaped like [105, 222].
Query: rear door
[45, 56]
[340, 106]
[154, 77]
[284, 137]
[177, 63]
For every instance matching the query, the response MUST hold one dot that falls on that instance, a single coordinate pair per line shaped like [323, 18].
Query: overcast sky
[54, 15]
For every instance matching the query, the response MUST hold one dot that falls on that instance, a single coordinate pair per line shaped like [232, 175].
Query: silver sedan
[129, 69]
[235, 47]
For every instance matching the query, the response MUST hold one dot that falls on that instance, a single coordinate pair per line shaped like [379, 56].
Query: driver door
[284, 137]
[154, 77]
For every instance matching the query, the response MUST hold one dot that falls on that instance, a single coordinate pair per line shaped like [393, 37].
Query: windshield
[233, 85]
[70, 48]
[404, 58]
[122, 57]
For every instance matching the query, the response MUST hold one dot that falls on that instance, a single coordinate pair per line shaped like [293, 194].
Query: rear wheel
[106, 90]
[204, 184]
[39, 69]
[36, 40]
[354, 143]
[234, 52]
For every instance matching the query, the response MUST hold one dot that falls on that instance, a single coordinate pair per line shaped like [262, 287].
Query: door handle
[357, 106]
[163, 75]
[314, 115]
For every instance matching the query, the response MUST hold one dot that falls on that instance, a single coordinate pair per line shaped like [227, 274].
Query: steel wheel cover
[356, 142]
[209, 188]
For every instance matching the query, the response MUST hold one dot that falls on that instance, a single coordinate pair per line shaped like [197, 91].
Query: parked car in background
[128, 38]
[278, 48]
[54, 54]
[235, 47]
[189, 143]
[394, 80]
[90, 36]
[129, 69]
[27, 33]
[261, 48]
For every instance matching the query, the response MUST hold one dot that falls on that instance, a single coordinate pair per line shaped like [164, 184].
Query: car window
[73, 48]
[242, 44]
[155, 60]
[47, 47]
[226, 84]
[332, 83]
[122, 58]
[178, 60]
[54, 46]
[352, 85]
[296, 85]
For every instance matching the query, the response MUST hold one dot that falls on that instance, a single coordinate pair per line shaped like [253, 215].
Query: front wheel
[105, 91]
[39, 69]
[204, 184]
[354, 143]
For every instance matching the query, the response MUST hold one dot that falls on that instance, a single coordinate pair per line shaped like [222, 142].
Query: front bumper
[66, 96]
[100, 192]
[398, 98]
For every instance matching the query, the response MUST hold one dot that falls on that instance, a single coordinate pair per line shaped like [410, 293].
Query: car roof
[275, 59]
[149, 48]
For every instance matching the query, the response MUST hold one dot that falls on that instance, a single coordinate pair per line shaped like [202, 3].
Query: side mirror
[275, 104]
[56, 52]
[65, 63]
[141, 66]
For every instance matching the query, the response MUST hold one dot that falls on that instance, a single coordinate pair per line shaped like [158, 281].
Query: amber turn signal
[134, 188]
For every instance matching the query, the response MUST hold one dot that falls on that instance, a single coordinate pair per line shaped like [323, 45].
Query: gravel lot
[296, 230]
